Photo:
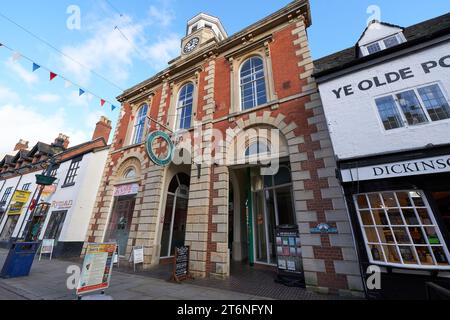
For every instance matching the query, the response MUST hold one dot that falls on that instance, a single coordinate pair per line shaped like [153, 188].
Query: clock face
[191, 45]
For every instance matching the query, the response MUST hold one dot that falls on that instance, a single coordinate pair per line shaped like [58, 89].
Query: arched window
[184, 107]
[130, 174]
[140, 124]
[253, 83]
[259, 147]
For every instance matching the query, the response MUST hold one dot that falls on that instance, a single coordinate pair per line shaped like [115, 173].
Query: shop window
[140, 124]
[73, 172]
[400, 230]
[9, 227]
[185, 107]
[6, 196]
[55, 225]
[253, 83]
[413, 107]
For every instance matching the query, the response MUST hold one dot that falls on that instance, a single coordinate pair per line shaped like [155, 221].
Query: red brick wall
[222, 87]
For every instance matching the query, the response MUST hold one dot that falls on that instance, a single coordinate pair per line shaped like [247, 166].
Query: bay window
[399, 229]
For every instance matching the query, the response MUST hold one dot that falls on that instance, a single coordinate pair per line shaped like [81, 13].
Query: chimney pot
[21, 145]
[102, 129]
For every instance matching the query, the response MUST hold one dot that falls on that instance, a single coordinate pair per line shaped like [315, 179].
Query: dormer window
[382, 44]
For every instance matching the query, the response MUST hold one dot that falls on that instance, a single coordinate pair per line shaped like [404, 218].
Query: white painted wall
[83, 195]
[355, 126]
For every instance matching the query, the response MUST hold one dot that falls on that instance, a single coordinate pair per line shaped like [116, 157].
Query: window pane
[395, 217]
[389, 113]
[425, 256]
[401, 235]
[424, 217]
[366, 218]
[371, 234]
[377, 253]
[380, 218]
[375, 47]
[410, 217]
[435, 102]
[439, 254]
[417, 199]
[417, 235]
[391, 254]
[403, 199]
[375, 201]
[386, 235]
[432, 235]
[389, 200]
[391, 42]
[408, 255]
[362, 202]
[411, 108]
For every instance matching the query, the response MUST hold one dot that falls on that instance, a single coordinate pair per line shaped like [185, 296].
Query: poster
[97, 267]
[18, 201]
[289, 250]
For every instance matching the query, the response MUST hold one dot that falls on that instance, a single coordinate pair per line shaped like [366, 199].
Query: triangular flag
[35, 66]
[67, 84]
[52, 75]
[1, 44]
[81, 92]
[113, 107]
[102, 102]
[16, 56]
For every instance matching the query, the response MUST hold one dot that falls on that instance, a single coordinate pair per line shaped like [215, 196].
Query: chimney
[21, 145]
[62, 141]
[102, 129]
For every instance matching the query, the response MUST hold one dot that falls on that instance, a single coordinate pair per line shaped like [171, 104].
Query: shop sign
[324, 228]
[18, 201]
[398, 169]
[289, 250]
[162, 162]
[391, 77]
[126, 190]
[48, 192]
[62, 205]
[97, 267]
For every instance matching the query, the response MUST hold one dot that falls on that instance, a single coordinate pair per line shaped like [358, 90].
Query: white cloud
[161, 16]
[47, 98]
[9, 96]
[27, 76]
[110, 51]
[21, 122]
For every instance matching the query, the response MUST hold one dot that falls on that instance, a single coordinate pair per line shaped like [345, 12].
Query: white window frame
[178, 108]
[133, 135]
[400, 38]
[406, 226]
[405, 124]
[241, 106]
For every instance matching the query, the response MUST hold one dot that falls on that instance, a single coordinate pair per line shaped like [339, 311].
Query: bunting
[16, 56]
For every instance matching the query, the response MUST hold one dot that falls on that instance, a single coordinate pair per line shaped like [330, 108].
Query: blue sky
[35, 109]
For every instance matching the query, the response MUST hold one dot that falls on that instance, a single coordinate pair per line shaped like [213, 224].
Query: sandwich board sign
[97, 268]
[47, 247]
[137, 256]
[181, 264]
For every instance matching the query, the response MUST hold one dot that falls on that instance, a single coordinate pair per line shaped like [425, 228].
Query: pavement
[47, 281]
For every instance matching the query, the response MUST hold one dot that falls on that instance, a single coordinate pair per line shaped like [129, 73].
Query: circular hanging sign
[162, 162]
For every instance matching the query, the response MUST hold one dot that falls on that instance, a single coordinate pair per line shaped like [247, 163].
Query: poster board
[97, 267]
[181, 264]
[137, 256]
[289, 251]
[47, 247]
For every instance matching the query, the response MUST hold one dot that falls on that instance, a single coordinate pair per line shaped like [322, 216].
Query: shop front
[119, 226]
[400, 209]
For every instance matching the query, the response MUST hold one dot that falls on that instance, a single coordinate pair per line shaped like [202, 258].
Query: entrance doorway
[266, 202]
[36, 222]
[120, 223]
[175, 218]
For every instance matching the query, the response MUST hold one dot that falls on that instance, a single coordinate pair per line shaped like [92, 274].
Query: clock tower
[202, 30]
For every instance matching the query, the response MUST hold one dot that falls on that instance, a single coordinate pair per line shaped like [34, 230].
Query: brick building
[226, 98]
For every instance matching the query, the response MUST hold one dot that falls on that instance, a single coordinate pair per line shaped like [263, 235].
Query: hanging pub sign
[97, 267]
[162, 162]
[181, 264]
[19, 199]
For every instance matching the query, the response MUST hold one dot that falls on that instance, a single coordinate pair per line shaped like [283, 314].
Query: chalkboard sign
[181, 264]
